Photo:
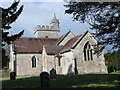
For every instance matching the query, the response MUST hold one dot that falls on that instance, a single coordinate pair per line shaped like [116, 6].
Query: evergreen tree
[104, 18]
[112, 59]
[5, 58]
[9, 15]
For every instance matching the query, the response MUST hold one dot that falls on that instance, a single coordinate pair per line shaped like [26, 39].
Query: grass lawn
[66, 81]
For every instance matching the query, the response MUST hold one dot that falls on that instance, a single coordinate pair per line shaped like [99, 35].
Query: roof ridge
[75, 36]
[64, 35]
[82, 35]
[74, 40]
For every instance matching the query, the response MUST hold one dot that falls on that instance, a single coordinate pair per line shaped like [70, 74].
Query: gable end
[79, 40]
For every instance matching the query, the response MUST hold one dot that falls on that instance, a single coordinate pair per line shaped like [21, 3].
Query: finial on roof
[55, 16]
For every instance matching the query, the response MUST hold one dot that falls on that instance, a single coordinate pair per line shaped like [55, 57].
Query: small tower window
[33, 62]
[46, 36]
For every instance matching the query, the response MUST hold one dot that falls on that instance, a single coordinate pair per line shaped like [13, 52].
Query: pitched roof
[53, 49]
[59, 39]
[70, 43]
[35, 45]
[29, 45]
[63, 37]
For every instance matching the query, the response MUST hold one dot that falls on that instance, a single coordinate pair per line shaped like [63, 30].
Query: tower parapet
[43, 27]
[45, 31]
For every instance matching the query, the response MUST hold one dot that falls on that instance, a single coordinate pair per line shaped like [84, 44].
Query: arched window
[34, 62]
[59, 63]
[88, 52]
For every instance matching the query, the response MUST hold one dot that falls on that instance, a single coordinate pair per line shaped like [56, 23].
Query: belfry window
[34, 62]
[88, 52]
[46, 36]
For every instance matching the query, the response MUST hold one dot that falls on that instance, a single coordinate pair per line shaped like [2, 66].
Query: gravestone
[114, 69]
[44, 79]
[52, 73]
[13, 76]
[111, 69]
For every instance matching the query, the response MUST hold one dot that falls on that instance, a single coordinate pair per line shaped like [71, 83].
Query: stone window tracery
[88, 52]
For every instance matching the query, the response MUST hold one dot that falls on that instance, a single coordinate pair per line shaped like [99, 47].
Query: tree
[9, 15]
[102, 17]
[113, 59]
[5, 58]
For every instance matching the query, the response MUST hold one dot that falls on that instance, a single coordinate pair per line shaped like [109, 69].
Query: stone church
[67, 54]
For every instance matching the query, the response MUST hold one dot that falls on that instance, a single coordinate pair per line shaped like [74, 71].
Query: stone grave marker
[44, 80]
[52, 73]
[12, 75]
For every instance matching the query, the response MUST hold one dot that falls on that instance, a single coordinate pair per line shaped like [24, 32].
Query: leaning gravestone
[12, 75]
[52, 73]
[44, 79]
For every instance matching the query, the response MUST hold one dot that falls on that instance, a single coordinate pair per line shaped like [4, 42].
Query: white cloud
[41, 13]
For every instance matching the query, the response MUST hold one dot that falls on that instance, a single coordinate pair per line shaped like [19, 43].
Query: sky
[41, 13]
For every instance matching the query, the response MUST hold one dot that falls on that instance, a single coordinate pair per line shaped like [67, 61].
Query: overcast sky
[40, 13]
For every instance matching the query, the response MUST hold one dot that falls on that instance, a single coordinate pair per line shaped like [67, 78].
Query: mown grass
[117, 72]
[65, 81]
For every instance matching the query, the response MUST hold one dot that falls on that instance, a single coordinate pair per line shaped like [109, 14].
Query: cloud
[41, 13]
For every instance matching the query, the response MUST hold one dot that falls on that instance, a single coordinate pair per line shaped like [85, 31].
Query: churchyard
[110, 80]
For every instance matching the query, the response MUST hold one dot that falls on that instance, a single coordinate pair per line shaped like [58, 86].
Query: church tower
[51, 31]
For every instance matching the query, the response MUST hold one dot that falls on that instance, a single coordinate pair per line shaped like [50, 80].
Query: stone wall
[50, 62]
[24, 64]
[97, 65]
[47, 34]
[67, 63]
